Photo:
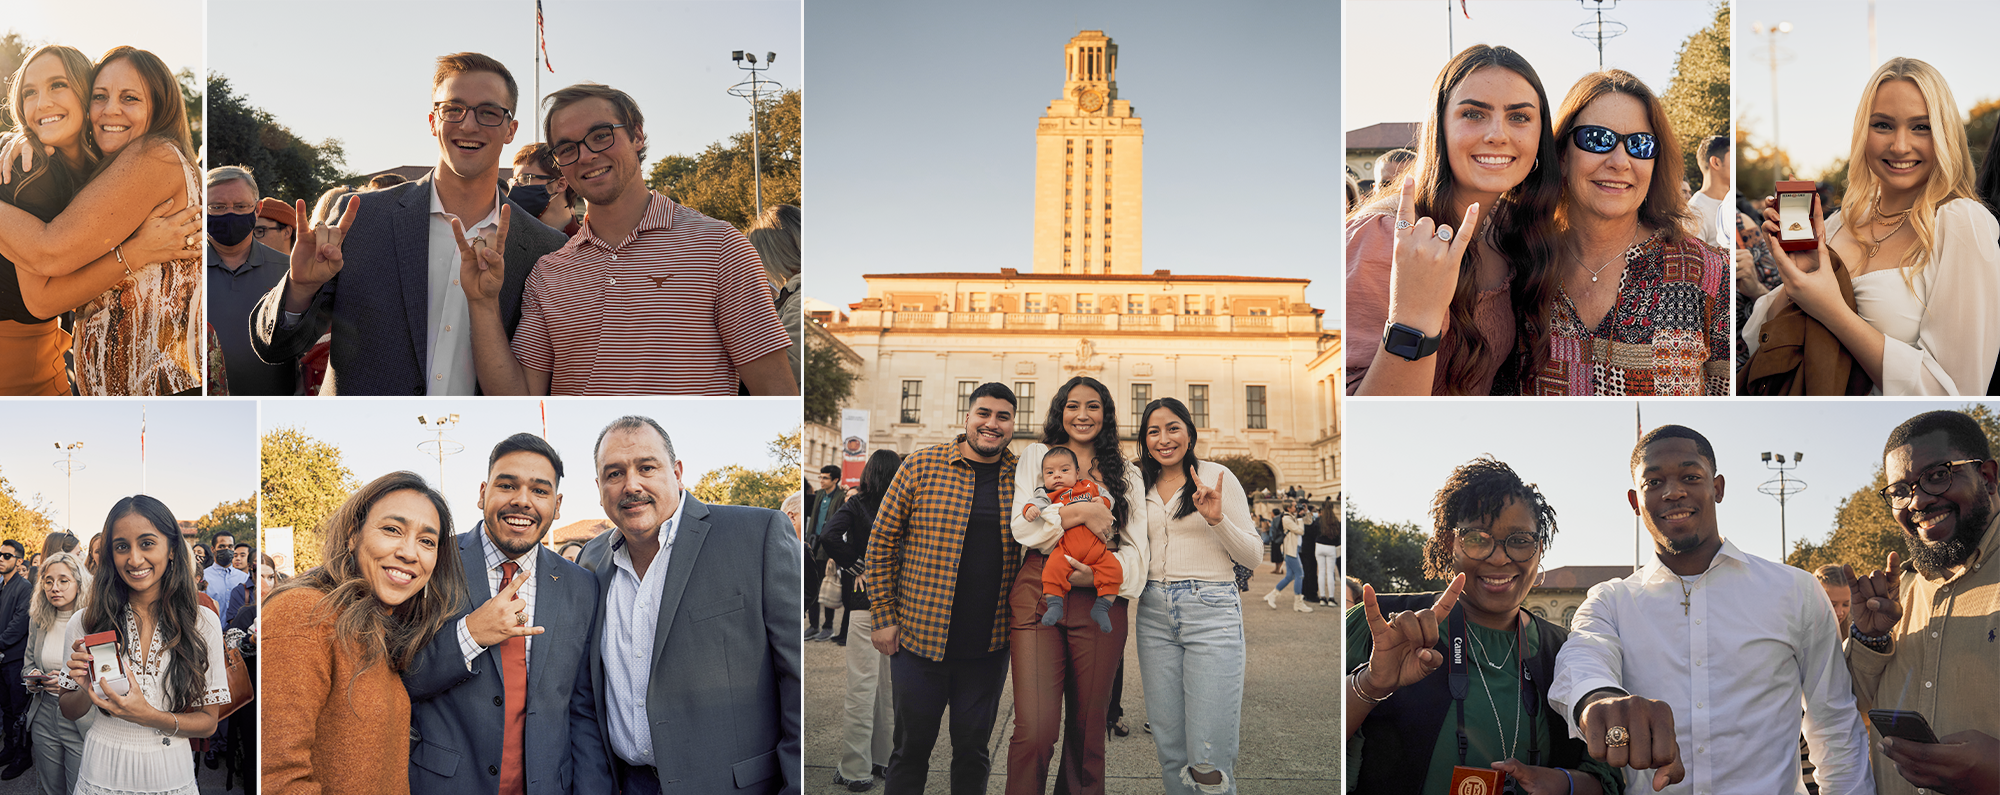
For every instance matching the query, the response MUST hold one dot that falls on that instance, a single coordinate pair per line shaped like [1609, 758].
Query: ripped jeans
[1190, 636]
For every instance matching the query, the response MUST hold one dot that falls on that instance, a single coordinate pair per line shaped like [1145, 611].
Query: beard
[512, 547]
[972, 440]
[1683, 545]
[1935, 559]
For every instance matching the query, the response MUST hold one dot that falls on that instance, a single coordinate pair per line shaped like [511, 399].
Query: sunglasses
[7, 556]
[1600, 140]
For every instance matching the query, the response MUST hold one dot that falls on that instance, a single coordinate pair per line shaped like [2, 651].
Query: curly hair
[1480, 489]
[1110, 462]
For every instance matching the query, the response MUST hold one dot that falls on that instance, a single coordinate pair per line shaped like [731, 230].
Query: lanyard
[1461, 681]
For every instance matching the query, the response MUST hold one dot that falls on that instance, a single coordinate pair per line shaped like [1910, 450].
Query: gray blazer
[381, 320]
[456, 715]
[724, 698]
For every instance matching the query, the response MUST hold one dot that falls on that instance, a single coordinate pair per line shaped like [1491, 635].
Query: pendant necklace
[1506, 748]
[1623, 255]
[1687, 590]
[1876, 246]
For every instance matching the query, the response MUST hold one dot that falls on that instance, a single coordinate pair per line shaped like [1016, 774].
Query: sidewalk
[1291, 707]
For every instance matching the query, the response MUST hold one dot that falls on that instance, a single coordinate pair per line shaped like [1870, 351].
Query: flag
[1461, 8]
[542, 38]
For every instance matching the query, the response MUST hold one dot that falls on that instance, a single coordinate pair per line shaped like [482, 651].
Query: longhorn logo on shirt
[659, 281]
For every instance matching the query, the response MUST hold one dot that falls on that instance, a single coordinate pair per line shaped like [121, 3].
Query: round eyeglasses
[1934, 480]
[598, 139]
[1599, 140]
[1478, 545]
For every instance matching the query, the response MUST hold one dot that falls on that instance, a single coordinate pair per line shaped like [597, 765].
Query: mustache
[628, 502]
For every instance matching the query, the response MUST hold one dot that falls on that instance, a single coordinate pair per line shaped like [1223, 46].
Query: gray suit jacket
[456, 715]
[725, 697]
[381, 318]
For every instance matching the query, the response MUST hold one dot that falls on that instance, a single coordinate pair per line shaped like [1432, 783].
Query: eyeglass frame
[1575, 136]
[1458, 543]
[1951, 468]
[576, 153]
[444, 107]
[522, 177]
[260, 231]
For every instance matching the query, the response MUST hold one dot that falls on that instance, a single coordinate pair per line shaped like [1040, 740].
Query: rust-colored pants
[1078, 542]
[1064, 668]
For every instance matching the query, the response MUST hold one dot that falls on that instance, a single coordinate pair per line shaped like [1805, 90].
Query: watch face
[1092, 100]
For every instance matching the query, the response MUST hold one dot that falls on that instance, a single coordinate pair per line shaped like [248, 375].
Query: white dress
[124, 758]
[1941, 339]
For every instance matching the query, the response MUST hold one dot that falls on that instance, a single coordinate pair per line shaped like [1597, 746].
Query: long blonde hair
[1952, 178]
[76, 66]
[42, 612]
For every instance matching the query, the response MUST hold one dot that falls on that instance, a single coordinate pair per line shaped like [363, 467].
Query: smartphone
[1795, 203]
[1902, 725]
[107, 670]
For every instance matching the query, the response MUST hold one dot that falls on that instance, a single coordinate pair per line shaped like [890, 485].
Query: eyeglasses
[487, 115]
[239, 208]
[1478, 545]
[527, 178]
[1599, 140]
[8, 556]
[598, 139]
[261, 231]
[1933, 480]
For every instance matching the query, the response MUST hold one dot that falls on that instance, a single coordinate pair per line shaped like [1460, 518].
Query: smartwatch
[1407, 342]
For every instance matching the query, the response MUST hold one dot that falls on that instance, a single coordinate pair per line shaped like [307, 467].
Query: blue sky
[199, 453]
[921, 135]
[1399, 452]
[360, 70]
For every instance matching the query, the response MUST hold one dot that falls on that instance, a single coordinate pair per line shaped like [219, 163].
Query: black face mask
[230, 228]
[533, 198]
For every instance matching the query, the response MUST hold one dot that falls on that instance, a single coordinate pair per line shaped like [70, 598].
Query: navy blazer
[725, 697]
[456, 715]
[381, 319]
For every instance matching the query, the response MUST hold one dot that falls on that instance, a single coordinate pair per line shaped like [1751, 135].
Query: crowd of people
[98, 229]
[496, 287]
[1635, 696]
[1530, 249]
[966, 561]
[419, 659]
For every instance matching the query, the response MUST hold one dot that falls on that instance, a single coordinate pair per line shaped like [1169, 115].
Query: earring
[1537, 165]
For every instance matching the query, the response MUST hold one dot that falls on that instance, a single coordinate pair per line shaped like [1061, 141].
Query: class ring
[1617, 737]
[1444, 233]
[1402, 224]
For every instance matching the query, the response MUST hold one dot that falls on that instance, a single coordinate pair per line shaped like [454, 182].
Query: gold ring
[521, 618]
[1617, 737]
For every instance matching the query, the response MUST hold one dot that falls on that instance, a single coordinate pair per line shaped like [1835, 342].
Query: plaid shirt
[914, 547]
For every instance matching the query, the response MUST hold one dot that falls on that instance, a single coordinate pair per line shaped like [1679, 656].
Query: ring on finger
[1444, 233]
[521, 618]
[1617, 737]
[1402, 224]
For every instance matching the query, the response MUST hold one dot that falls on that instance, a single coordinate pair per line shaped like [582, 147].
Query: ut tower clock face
[1091, 100]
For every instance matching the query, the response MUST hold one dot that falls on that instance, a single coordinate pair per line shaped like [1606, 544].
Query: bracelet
[1572, 780]
[177, 726]
[1879, 643]
[119, 252]
[1354, 683]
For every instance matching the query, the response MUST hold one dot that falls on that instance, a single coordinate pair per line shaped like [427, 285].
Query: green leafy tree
[718, 181]
[303, 482]
[1697, 97]
[14, 49]
[1864, 532]
[1387, 556]
[287, 167]
[27, 522]
[761, 488]
[238, 518]
[1979, 128]
[1255, 475]
[786, 450]
[1754, 165]
[829, 384]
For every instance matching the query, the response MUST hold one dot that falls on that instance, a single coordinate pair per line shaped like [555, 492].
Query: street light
[1782, 487]
[1760, 29]
[69, 465]
[440, 446]
[753, 90]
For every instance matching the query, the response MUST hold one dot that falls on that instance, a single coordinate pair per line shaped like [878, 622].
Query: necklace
[1876, 246]
[1687, 590]
[1899, 214]
[1623, 255]
[1506, 748]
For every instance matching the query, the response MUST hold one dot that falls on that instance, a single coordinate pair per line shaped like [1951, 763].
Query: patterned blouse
[1668, 333]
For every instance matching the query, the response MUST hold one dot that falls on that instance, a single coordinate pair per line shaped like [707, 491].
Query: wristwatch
[1407, 342]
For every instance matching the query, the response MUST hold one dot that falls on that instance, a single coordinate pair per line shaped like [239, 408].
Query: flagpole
[538, 71]
[142, 448]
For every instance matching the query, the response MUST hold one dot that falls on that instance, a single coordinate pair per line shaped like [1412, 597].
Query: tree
[785, 450]
[287, 167]
[1754, 164]
[1979, 128]
[761, 488]
[1864, 532]
[238, 518]
[717, 182]
[26, 522]
[1255, 475]
[1387, 556]
[829, 384]
[191, 100]
[1697, 96]
[13, 50]
[303, 482]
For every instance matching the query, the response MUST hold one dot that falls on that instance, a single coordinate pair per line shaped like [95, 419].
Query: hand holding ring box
[106, 667]
[1795, 215]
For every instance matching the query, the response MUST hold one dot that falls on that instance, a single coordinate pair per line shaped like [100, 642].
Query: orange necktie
[514, 671]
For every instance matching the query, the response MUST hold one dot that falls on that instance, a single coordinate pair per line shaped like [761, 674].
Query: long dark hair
[1987, 185]
[1110, 462]
[168, 121]
[358, 619]
[1149, 467]
[876, 476]
[175, 612]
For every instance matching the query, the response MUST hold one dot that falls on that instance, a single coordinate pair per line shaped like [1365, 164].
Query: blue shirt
[631, 617]
[221, 580]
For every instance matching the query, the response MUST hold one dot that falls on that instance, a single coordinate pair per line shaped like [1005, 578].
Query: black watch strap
[1408, 342]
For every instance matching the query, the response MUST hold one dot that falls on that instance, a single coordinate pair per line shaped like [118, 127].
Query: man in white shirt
[1710, 202]
[1694, 667]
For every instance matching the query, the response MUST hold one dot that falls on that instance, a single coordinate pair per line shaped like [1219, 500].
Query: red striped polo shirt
[672, 310]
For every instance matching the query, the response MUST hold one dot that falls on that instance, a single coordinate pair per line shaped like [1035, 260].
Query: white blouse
[1132, 555]
[1189, 548]
[1942, 338]
[123, 757]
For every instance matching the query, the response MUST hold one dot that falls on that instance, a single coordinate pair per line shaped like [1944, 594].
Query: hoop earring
[1537, 166]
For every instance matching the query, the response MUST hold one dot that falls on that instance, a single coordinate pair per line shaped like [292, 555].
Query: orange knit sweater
[325, 730]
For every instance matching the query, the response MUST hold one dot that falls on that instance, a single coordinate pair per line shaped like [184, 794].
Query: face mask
[533, 198]
[230, 228]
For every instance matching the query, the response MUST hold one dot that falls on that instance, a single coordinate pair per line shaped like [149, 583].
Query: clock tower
[1087, 168]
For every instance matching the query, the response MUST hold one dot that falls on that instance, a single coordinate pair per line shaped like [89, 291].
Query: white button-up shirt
[494, 557]
[1755, 639]
[631, 617]
[450, 369]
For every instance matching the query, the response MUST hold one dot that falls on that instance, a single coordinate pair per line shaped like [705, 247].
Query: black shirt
[979, 560]
[44, 196]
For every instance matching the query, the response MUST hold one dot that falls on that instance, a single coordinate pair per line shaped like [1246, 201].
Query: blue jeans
[1295, 574]
[1191, 659]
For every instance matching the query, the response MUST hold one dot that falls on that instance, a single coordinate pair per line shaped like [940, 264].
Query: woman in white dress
[1923, 254]
[171, 651]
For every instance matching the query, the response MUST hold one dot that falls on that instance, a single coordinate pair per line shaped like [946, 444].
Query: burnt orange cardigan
[325, 730]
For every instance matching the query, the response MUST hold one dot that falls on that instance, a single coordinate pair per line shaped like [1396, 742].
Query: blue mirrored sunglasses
[1599, 140]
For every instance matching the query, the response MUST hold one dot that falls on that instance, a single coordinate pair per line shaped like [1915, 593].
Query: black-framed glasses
[1934, 480]
[486, 115]
[598, 139]
[1478, 544]
[1599, 140]
[261, 231]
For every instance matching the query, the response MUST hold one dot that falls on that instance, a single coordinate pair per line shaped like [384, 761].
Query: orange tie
[514, 671]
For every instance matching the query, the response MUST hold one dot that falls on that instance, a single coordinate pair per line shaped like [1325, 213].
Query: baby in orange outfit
[1063, 485]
